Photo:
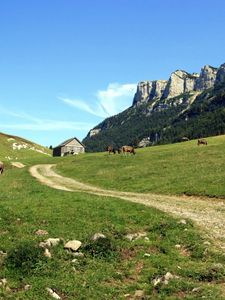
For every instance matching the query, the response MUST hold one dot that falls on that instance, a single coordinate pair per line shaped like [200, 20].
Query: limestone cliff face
[144, 89]
[158, 89]
[220, 76]
[206, 79]
[179, 82]
[148, 91]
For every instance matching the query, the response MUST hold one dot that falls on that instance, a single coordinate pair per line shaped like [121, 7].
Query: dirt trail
[206, 212]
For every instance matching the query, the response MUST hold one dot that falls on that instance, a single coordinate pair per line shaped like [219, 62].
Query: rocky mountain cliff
[179, 82]
[156, 106]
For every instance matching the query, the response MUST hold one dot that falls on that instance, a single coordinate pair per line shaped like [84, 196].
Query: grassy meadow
[182, 168]
[117, 268]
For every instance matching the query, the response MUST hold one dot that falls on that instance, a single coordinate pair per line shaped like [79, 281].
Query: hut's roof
[68, 141]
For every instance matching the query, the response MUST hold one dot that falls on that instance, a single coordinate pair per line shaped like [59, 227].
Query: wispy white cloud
[116, 98]
[37, 124]
[97, 110]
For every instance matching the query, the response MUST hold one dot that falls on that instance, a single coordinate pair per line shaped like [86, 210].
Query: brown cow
[111, 149]
[128, 149]
[202, 142]
[1, 167]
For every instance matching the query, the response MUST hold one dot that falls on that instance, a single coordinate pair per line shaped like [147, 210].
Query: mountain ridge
[160, 106]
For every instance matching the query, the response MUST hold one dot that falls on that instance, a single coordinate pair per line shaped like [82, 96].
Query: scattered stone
[164, 279]
[41, 232]
[47, 253]
[53, 294]
[185, 229]
[3, 254]
[195, 290]
[78, 254]
[75, 260]
[206, 243]
[156, 281]
[167, 277]
[135, 236]
[146, 239]
[51, 242]
[182, 221]
[73, 245]
[27, 287]
[147, 255]
[177, 246]
[139, 294]
[3, 282]
[97, 236]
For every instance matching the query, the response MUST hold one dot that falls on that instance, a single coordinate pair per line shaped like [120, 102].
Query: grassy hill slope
[13, 148]
[115, 268]
[182, 168]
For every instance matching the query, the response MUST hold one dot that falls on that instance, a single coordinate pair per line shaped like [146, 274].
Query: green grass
[183, 168]
[118, 267]
[26, 206]
[7, 153]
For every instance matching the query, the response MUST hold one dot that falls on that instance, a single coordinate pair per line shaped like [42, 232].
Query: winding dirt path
[208, 213]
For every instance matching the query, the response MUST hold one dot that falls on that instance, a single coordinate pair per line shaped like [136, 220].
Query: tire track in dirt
[208, 213]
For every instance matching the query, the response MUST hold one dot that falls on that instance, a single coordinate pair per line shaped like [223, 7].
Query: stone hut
[70, 146]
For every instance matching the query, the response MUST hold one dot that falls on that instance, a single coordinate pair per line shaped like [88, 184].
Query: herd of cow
[123, 149]
[130, 149]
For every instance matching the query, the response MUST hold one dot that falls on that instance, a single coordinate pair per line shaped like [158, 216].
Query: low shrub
[24, 258]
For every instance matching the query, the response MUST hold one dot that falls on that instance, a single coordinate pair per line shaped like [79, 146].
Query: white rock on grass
[182, 221]
[147, 255]
[73, 245]
[135, 236]
[47, 253]
[97, 236]
[164, 279]
[78, 254]
[51, 242]
[53, 294]
[3, 282]
[27, 287]
[139, 294]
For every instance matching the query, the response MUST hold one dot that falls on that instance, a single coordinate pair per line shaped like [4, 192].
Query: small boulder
[51, 242]
[47, 253]
[27, 287]
[182, 221]
[147, 255]
[78, 254]
[97, 236]
[53, 294]
[73, 245]
[139, 294]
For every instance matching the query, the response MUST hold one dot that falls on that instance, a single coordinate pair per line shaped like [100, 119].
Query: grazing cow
[128, 149]
[202, 142]
[111, 149]
[1, 167]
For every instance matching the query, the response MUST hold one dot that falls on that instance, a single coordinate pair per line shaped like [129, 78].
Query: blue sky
[65, 65]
